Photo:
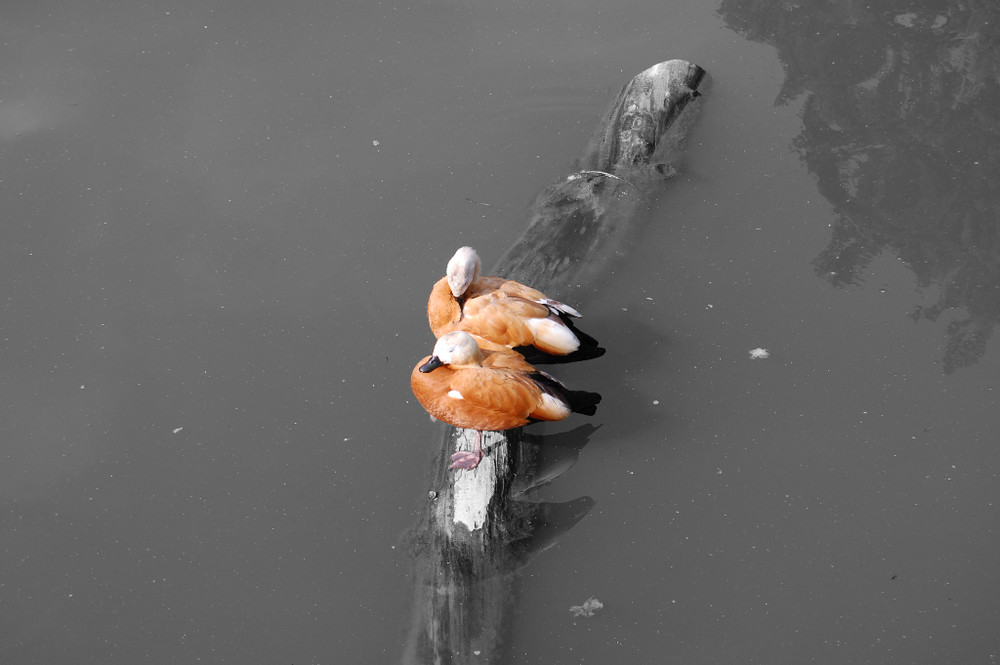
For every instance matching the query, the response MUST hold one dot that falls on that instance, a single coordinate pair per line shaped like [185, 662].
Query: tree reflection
[901, 119]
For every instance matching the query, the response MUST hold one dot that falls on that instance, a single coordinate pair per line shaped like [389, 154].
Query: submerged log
[574, 222]
[466, 545]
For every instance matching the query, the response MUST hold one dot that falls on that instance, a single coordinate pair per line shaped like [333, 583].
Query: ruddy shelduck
[465, 386]
[500, 311]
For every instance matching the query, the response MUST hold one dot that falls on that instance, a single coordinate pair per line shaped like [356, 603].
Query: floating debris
[759, 354]
[589, 607]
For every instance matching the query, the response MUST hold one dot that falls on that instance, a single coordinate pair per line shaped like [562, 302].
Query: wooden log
[466, 544]
[574, 221]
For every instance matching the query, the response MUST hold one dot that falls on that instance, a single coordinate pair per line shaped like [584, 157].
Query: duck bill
[431, 365]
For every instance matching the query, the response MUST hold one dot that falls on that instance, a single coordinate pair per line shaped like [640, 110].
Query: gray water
[220, 224]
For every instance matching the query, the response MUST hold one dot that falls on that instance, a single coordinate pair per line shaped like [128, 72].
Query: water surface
[221, 221]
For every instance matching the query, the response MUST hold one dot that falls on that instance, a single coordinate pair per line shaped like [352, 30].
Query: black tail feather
[578, 401]
[581, 401]
[536, 357]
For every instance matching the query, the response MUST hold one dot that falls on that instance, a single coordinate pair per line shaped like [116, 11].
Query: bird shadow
[549, 521]
[548, 456]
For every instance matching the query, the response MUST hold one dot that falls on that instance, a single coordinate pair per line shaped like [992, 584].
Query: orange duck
[467, 387]
[500, 313]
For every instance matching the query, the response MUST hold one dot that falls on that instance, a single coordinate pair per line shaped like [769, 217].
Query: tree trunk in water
[466, 543]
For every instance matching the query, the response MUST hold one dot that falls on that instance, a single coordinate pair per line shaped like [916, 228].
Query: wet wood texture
[472, 535]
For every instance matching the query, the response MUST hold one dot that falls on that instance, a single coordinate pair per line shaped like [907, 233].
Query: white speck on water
[759, 354]
[589, 607]
[177, 429]
[376, 143]
[656, 401]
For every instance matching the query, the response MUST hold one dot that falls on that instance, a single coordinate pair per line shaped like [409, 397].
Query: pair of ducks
[474, 378]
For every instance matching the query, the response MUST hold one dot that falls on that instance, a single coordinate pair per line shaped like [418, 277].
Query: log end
[640, 116]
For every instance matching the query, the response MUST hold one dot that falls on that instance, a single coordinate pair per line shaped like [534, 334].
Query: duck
[500, 313]
[473, 388]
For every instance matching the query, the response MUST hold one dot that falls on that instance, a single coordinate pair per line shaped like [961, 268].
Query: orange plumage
[498, 312]
[463, 385]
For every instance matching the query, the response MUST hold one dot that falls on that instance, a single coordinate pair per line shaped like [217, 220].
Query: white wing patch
[553, 407]
[554, 333]
[454, 394]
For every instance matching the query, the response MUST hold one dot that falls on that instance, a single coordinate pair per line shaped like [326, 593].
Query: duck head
[458, 349]
[463, 269]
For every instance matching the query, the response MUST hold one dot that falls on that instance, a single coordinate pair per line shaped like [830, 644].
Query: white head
[463, 269]
[456, 348]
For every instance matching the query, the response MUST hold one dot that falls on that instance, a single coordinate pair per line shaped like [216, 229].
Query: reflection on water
[901, 127]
